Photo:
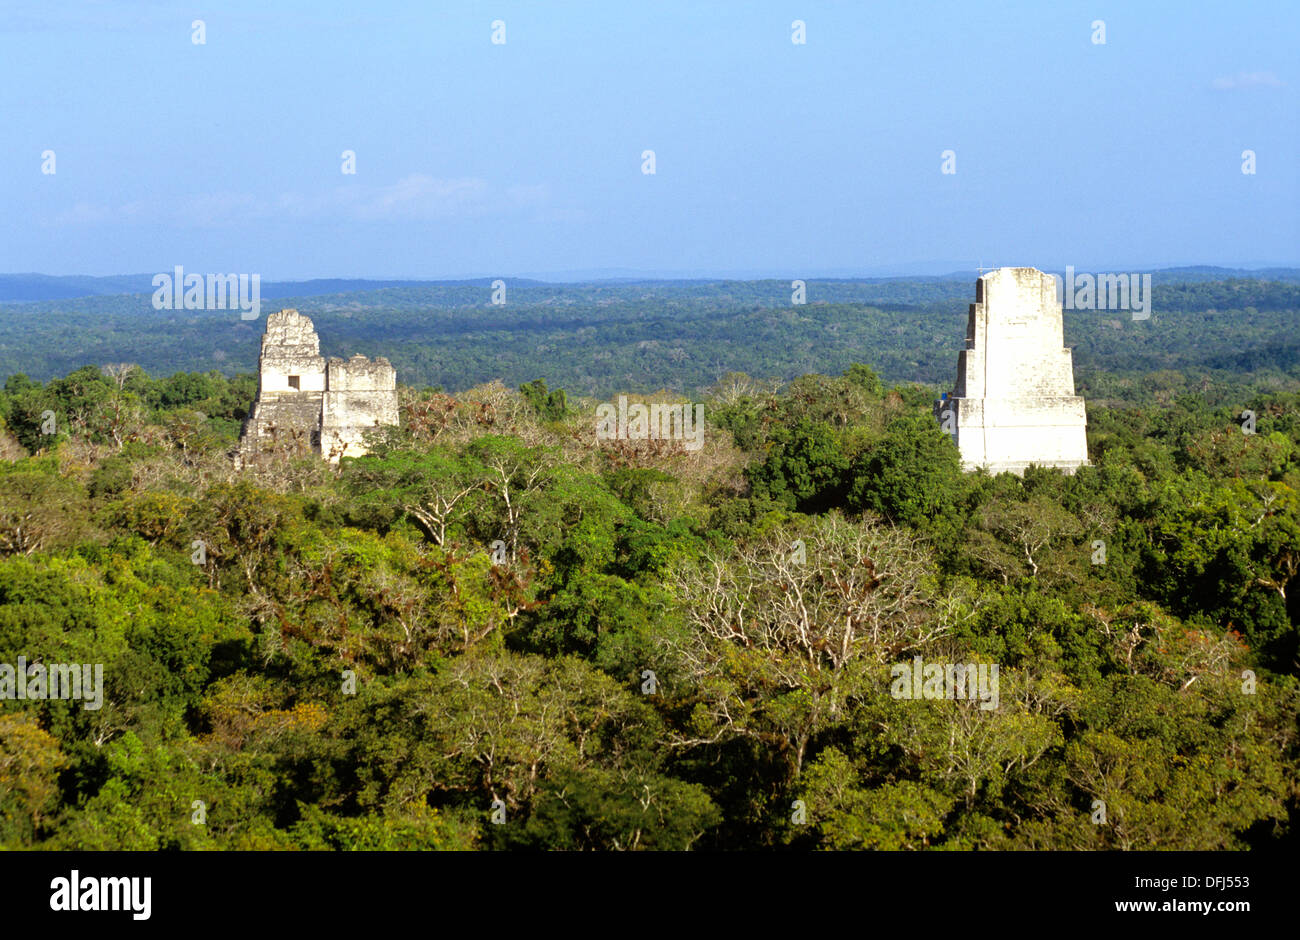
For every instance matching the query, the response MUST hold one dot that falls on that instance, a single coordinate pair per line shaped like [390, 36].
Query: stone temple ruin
[1014, 402]
[306, 403]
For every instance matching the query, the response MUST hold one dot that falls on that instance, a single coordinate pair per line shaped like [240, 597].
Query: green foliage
[804, 469]
[865, 377]
[912, 474]
[418, 829]
[550, 406]
[623, 648]
[892, 817]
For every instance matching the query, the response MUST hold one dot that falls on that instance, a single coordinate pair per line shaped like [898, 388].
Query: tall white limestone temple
[1014, 402]
[306, 403]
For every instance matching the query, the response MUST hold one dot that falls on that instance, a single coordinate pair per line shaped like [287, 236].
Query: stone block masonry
[307, 404]
[1014, 402]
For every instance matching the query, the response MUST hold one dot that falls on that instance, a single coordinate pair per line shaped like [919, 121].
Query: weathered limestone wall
[360, 395]
[290, 347]
[306, 404]
[1013, 403]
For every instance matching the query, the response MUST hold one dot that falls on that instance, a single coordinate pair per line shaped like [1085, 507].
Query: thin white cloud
[82, 214]
[414, 198]
[417, 197]
[1244, 81]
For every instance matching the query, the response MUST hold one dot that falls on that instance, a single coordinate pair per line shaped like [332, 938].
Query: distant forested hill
[679, 335]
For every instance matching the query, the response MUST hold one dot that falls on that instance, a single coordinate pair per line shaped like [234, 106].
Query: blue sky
[772, 159]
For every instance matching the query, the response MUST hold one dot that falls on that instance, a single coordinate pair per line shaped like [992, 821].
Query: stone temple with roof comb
[1014, 402]
[308, 404]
